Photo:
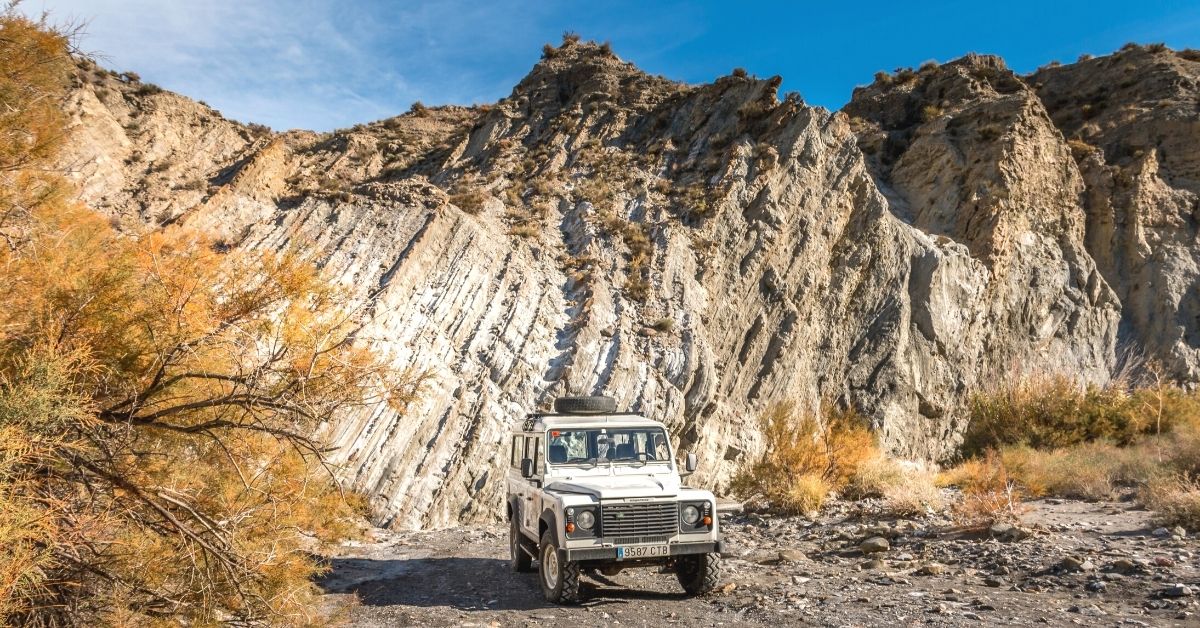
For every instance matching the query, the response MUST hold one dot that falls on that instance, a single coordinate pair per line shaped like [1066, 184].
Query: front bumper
[610, 553]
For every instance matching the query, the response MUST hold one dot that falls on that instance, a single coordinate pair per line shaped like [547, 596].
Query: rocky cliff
[699, 252]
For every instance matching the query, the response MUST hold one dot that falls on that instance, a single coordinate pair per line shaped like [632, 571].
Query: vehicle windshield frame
[603, 461]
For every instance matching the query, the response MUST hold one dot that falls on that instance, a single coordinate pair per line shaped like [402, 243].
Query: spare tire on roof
[585, 405]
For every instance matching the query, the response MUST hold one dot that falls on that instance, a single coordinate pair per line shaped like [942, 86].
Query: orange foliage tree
[159, 400]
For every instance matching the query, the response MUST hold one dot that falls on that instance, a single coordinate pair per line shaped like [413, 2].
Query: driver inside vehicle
[589, 447]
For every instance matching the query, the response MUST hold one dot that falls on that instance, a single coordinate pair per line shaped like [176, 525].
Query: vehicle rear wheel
[560, 578]
[520, 560]
[699, 573]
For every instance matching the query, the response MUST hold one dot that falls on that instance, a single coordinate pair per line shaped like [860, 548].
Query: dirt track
[1084, 563]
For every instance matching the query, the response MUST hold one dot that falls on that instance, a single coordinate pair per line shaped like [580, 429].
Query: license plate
[643, 551]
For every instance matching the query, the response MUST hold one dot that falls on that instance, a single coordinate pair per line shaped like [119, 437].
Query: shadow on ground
[464, 584]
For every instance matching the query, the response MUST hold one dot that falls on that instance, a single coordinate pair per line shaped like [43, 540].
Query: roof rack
[599, 415]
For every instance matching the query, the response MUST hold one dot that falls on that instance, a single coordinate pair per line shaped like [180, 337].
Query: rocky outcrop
[698, 252]
[966, 151]
[1131, 120]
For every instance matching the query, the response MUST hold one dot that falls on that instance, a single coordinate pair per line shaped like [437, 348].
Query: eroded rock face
[1134, 127]
[966, 151]
[698, 252]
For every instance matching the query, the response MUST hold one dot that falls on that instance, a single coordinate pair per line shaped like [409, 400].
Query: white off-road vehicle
[593, 489]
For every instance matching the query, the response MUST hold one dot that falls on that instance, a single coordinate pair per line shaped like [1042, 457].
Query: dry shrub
[160, 401]
[805, 495]
[1087, 471]
[663, 324]
[806, 456]
[1176, 501]
[988, 494]
[1054, 411]
[1101, 470]
[1059, 438]
[1080, 149]
[470, 201]
[524, 231]
[32, 124]
[874, 477]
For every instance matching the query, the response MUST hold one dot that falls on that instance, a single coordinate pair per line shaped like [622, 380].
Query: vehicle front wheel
[699, 573]
[560, 578]
[520, 560]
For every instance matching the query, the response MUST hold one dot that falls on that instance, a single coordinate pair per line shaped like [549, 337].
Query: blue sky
[322, 64]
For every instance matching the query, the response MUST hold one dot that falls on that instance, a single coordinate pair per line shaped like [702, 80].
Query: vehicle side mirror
[527, 468]
[690, 462]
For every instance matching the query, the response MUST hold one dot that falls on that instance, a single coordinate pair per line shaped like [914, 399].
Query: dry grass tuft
[1176, 500]
[988, 494]
[905, 488]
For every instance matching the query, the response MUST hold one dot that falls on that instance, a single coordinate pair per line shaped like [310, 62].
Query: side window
[515, 456]
[532, 448]
[660, 446]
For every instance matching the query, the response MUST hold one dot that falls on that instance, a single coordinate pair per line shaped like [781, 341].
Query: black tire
[559, 578]
[585, 405]
[519, 560]
[699, 573]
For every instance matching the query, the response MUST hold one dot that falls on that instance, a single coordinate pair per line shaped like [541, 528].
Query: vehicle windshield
[637, 446]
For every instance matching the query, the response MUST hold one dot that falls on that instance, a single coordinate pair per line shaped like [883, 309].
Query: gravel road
[1068, 562]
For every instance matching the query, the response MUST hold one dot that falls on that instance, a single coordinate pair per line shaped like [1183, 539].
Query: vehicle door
[513, 479]
[531, 502]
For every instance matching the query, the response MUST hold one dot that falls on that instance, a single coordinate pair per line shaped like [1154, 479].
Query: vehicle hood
[619, 487]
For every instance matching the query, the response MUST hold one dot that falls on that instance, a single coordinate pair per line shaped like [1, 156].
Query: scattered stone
[1091, 610]
[1070, 563]
[1121, 565]
[993, 581]
[1161, 532]
[874, 544]
[1179, 590]
[1008, 533]
[931, 569]
[791, 556]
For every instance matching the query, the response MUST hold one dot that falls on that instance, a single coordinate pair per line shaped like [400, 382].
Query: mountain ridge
[698, 251]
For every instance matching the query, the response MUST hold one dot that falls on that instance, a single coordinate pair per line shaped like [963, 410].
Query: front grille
[638, 540]
[639, 519]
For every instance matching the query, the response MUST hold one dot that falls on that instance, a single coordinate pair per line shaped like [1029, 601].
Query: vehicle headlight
[691, 515]
[585, 519]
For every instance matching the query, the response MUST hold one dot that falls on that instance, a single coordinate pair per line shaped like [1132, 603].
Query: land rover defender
[590, 488]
